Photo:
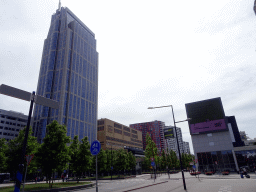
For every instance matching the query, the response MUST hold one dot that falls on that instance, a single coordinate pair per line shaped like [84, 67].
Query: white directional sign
[14, 92]
[24, 95]
[46, 102]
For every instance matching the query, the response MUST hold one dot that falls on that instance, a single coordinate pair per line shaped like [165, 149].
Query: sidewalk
[203, 176]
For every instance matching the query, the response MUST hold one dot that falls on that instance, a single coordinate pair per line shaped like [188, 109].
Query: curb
[65, 188]
[145, 186]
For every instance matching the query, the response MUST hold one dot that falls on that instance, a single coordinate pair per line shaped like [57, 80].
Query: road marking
[226, 188]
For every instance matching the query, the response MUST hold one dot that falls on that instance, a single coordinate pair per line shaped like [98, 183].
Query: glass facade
[216, 161]
[68, 74]
[246, 158]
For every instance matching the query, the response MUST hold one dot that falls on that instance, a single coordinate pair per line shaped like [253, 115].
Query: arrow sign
[153, 164]
[24, 95]
[29, 158]
[14, 92]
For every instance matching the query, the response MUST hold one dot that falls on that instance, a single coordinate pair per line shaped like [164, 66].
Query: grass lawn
[40, 186]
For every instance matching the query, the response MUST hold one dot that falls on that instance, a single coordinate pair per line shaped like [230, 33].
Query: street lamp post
[181, 167]
[184, 183]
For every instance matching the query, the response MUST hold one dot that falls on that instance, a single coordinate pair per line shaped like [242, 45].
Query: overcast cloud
[151, 53]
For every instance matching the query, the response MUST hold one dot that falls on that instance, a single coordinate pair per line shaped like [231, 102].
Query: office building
[155, 130]
[68, 74]
[11, 123]
[113, 135]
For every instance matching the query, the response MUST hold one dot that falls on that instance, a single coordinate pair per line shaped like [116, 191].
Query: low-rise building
[11, 123]
[113, 135]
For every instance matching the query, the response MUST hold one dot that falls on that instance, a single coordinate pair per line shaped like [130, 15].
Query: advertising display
[168, 133]
[206, 116]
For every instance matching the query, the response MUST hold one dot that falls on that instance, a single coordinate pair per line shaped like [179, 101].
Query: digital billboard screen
[206, 116]
[168, 133]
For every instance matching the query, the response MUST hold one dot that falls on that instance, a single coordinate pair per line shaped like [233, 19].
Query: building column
[234, 156]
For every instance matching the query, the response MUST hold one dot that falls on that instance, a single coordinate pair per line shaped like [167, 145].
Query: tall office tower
[172, 142]
[155, 130]
[68, 74]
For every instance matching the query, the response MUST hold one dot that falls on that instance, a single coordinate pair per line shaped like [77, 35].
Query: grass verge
[41, 186]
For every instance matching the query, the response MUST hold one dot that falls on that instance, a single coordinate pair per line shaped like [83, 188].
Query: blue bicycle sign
[95, 147]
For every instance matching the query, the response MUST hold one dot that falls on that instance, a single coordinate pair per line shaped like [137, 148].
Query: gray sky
[151, 53]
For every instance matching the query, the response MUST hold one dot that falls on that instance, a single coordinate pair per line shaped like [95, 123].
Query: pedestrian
[245, 171]
[241, 173]
[62, 177]
[36, 180]
[66, 177]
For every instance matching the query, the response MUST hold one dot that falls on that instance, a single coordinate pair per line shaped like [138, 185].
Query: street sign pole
[96, 173]
[25, 176]
[27, 96]
[95, 150]
[21, 165]
[28, 158]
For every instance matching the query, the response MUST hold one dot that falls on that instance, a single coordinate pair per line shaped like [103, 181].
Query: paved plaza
[213, 183]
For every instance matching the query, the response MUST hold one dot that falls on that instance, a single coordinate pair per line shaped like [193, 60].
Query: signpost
[154, 165]
[29, 159]
[95, 149]
[32, 97]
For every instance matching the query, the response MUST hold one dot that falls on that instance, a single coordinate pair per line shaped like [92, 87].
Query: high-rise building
[11, 122]
[186, 147]
[172, 142]
[155, 130]
[68, 74]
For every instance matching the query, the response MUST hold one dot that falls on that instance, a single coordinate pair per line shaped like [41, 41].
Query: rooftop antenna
[59, 5]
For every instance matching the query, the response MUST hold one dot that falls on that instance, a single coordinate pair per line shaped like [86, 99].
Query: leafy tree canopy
[53, 154]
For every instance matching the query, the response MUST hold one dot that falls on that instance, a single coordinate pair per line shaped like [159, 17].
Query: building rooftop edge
[87, 28]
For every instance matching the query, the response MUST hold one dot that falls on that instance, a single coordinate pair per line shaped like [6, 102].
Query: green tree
[53, 154]
[14, 150]
[80, 156]
[101, 161]
[3, 158]
[109, 163]
[163, 161]
[187, 159]
[120, 162]
[131, 161]
[174, 160]
[169, 160]
[150, 151]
